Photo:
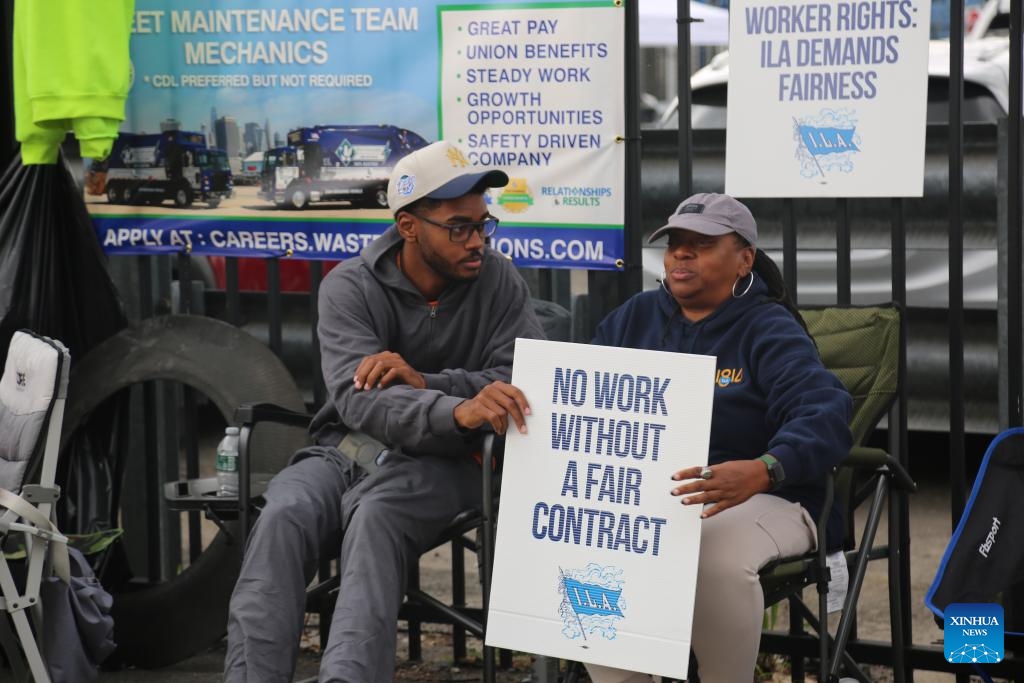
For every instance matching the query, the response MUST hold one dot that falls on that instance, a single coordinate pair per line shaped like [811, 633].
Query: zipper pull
[433, 311]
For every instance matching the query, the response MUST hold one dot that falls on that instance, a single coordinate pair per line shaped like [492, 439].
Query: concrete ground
[930, 530]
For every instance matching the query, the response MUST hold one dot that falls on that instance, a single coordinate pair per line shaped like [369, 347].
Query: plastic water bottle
[227, 463]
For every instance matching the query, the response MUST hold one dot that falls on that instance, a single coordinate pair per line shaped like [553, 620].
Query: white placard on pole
[827, 99]
[595, 560]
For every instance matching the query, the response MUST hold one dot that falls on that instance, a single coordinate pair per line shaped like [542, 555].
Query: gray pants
[380, 523]
[729, 604]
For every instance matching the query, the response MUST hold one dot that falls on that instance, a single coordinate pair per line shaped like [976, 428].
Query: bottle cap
[231, 431]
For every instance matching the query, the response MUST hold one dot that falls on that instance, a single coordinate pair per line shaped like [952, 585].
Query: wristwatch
[776, 475]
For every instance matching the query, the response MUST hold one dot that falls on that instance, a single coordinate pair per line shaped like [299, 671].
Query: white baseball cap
[439, 171]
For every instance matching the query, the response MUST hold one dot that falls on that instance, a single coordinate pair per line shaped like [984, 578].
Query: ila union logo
[826, 143]
[592, 601]
[973, 633]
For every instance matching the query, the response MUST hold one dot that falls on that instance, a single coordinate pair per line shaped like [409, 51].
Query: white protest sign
[595, 560]
[537, 90]
[827, 99]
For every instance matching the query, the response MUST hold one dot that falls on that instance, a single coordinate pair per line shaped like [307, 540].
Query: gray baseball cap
[439, 171]
[711, 214]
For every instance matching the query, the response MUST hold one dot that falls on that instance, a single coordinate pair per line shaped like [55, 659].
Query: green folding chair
[861, 345]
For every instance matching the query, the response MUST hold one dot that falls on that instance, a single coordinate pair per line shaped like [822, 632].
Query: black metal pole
[957, 446]
[1014, 603]
[316, 274]
[633, 280]
[789, 265]
[843, 277]
[899, 506]
[233, 302]
[1015, 217]
[274, 305]
[605, 289]
[190, 429]
[685, 101]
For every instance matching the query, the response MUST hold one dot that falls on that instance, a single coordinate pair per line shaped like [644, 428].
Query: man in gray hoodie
[417, 336]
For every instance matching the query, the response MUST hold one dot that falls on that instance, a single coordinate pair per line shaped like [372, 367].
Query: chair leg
[796, 627]
[896, 635]
[487, 546]
[851, 664]
[489, 668]
[573, 672]
[28, 644]
[12, 650]
[458, 599]
[415, 631]
[857, 579]
[325, 614]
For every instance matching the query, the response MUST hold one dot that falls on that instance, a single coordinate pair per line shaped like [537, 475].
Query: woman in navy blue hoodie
[779, 420]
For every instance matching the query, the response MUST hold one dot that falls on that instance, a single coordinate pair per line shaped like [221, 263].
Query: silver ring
[706, 473]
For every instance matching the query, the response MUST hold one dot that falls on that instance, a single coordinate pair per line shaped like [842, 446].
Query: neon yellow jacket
[71, 72]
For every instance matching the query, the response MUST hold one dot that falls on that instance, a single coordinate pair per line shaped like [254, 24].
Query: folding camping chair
[861, 345]
[32, 394]
[984, 559]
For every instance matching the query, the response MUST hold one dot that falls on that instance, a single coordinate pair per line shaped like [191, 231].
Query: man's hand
[494, 404]
[731, 483]
[385, 368]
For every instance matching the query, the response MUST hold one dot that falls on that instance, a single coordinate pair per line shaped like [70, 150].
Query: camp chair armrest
[253, 413]
[865, 458]
[247, 415]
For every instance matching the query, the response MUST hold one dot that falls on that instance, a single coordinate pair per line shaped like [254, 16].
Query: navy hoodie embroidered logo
[726, 376]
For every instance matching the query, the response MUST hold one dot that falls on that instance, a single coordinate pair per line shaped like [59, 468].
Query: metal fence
[286, 321]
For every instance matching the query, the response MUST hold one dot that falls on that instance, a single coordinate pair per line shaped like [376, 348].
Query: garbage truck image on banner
[150, 168]
[335, 163]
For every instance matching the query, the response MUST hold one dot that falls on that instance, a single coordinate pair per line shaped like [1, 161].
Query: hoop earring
[744, 292]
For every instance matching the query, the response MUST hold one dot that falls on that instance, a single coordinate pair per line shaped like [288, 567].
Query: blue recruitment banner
[330, 238]
[270, 127]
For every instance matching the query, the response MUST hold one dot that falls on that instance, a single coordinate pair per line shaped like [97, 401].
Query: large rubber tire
[114, 192]
[164, 623]
[183, 196]
[298, 198]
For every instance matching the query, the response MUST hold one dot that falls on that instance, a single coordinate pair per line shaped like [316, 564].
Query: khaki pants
[729, 604]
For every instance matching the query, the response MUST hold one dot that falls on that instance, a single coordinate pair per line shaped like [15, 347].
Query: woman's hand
[385, 368]
[731, 483]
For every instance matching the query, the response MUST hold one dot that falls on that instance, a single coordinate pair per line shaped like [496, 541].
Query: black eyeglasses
[460, 232]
